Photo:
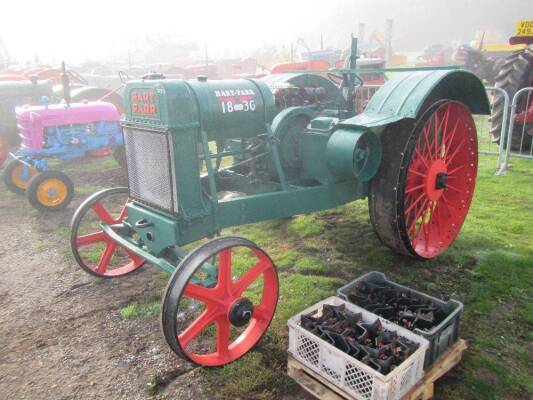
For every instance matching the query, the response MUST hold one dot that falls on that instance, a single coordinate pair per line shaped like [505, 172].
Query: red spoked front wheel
[220, 301]
[421, 195]
[94, 251]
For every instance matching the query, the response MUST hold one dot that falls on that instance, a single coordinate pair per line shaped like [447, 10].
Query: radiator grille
[150, 168]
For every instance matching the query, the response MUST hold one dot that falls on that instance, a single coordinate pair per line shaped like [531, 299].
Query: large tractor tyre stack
[515, 73]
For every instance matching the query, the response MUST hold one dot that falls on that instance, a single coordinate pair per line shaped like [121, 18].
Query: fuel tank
[236, 108]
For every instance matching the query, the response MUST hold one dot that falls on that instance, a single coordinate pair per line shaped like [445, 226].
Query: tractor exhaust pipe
[66, 84]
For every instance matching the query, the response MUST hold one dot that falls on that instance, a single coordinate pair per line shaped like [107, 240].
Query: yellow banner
[524, 28]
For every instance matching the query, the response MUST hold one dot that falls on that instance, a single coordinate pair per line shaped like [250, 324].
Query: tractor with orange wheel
[412, 153]
[58, 131]
[35, 84]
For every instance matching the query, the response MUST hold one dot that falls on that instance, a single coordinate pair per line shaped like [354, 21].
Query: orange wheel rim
[21, 175]
[52, 192]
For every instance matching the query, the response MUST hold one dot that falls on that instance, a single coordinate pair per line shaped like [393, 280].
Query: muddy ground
[61, 333]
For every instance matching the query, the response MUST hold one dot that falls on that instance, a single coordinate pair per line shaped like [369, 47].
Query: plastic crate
[349, 374]
[441, 336]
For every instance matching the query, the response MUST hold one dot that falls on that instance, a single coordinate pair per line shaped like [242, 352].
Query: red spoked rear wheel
[213, 322]
[3, 150]
[94, 251]
[419, 203]
[440, 180]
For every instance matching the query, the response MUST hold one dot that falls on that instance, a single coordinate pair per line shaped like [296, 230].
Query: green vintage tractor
[207, 155]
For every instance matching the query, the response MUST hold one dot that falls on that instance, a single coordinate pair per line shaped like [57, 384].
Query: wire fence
[519, 140]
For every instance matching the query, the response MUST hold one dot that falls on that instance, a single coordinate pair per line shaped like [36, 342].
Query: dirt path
[61, 334]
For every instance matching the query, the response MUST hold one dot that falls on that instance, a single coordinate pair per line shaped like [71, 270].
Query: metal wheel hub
[436, 179]
[241, 312]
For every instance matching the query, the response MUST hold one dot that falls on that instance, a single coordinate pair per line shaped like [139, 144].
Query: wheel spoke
[449, 206]
[197, 292]
[414, 171]
[448, 160]
[223, 336]
[450, 141]
[414, 203]
[91, 238]
[453, 188]
[197, 326]
[418, 214]
[261, 313]
[134, 257]
[414, 188]
[424, 227]
[250, 277]
[224, 271]
[444, 129]
[421, 157]
[435, 217]
[106, 257]
[427, 144]
[453, 171]
[102, 213]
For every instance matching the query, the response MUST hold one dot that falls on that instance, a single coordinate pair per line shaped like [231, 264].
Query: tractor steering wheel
[78, 77]
[124, 77]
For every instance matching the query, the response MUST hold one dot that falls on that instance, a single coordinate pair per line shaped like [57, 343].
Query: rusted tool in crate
[397, 306]
[367, 342]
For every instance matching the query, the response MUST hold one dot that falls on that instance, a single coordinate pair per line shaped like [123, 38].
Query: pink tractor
[59, 131]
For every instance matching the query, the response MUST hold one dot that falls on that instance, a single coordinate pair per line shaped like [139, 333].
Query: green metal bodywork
[405, 95]
[295, 163]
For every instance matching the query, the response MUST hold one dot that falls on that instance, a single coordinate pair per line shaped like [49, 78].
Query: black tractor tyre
[91, 93]
[516, 72]
[382, 190]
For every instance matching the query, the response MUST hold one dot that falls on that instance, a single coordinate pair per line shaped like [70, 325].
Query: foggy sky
[96, 29]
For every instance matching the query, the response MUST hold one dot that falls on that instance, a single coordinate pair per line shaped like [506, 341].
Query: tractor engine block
[170, 124]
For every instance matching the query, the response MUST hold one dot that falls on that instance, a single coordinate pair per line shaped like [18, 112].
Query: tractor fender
[407, 96]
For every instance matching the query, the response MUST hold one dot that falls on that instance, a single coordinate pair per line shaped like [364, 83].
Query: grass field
[489, 269]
